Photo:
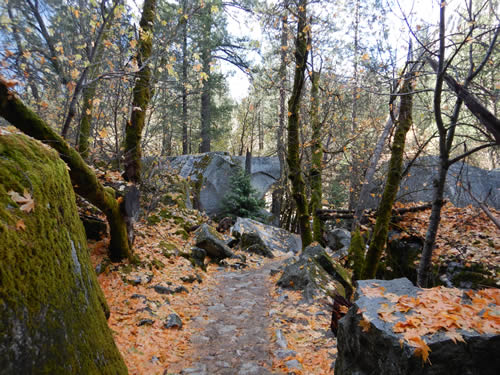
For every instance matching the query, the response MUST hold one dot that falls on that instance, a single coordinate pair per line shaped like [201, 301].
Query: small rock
[293, 364]
[180, 289]
[274, 271]
[162, 289]
[145, 322]
[134, 280]
[189, 279]
[137, 296]
[280, 339]
[173, 321]
[284, 353]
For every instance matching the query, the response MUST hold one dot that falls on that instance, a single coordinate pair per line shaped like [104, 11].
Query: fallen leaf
[27, 203]
[20, 225]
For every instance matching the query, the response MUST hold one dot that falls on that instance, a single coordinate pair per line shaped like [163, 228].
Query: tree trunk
[82, 176]
[141, 95]
[185, 138]
[316, 158]
[379, 238]
[206, 91]
[86, 120]
[370, 172]
[294, 164]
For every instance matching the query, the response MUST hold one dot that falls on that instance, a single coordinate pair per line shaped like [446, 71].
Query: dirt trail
[235, 335]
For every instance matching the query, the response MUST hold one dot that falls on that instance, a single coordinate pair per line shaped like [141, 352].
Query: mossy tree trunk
[52, 310]
[316, 158]
[82, 176]
[141, 95]
[294, 164]
[384, 211]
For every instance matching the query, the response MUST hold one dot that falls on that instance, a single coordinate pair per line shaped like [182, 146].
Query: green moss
[356, 255]
[181, 232]
[153, 219]
[52, 309]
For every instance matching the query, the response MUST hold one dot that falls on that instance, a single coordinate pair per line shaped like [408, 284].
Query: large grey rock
[315, 272]
[208, 239]
[273, 238]
[417, 186]
[381, 351]
[211, 173]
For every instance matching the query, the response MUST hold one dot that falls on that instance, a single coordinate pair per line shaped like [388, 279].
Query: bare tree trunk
[206, 91]
[185, 139]
[446, 135]
[141, 95]
[370, 172]
[294, 164]
[82, 176]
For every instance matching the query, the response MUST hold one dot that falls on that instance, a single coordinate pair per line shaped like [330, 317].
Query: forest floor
[237, 321]
[233, 321]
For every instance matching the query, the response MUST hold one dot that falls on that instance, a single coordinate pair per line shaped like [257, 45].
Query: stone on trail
[52, 310]
[208, 239]
[379, 350]
[272, 239]
[173, 321]
[315, 272]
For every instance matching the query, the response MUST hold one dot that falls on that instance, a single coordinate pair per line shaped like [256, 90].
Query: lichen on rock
[53, 313]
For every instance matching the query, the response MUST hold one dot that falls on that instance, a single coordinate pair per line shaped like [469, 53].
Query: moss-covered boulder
[52, 311]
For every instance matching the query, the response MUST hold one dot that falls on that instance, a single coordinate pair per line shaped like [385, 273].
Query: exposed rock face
[253, 243]
[380, 351]
[417, 186]
[338, 240]
[208, 240]
[315, 272]
[52, 311]
[211, 172]
[272, 238]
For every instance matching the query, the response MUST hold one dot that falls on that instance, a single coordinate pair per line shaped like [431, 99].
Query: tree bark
[185, 138]
[485, 117]
[294, 164]
[83, 178]
[141, 95]
[384, 211]
[370, 172]
[206, 91]
[316, 158]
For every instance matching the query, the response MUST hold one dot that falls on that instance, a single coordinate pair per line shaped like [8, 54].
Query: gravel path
[235, 338]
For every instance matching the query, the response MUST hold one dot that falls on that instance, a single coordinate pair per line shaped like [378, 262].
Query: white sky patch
[241, 24]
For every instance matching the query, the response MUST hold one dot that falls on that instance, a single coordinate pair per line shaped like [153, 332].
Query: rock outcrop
[52, 310]
[268, 239]
[315, 272]
[367, 344]
[210, 174]
[208, 239]
[417, 185]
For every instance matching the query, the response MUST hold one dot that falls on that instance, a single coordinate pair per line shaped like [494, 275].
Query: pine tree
[242, 200]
